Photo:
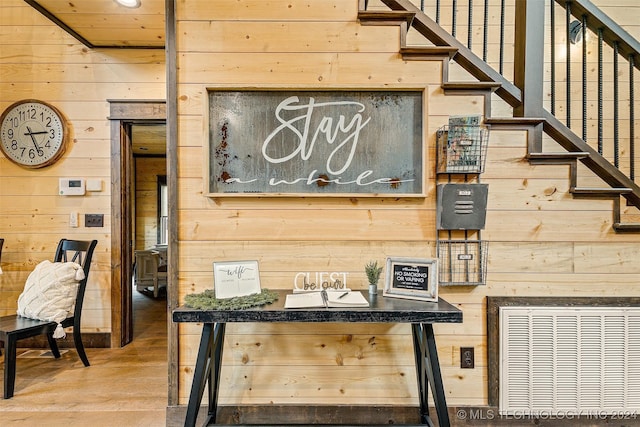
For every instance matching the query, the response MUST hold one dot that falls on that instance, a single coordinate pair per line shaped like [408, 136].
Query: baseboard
[303, 415]
[379, 415]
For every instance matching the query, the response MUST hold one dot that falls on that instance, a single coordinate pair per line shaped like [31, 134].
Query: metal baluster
[632, 133]
[568, 66]
[501, 65]
[616, 100]
[470, 25]
[552, 30]
[584, 77]
[485, 27]
[438, 12]
[600, 98]
[454, 12]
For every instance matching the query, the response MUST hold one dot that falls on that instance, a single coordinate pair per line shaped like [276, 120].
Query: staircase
[447, 48]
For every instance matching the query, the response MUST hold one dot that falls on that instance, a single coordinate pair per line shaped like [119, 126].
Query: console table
[421, 315]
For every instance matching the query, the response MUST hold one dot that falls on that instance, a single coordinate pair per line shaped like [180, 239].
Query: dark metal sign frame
[309, 142]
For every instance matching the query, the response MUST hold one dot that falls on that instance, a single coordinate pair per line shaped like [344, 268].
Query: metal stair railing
[611, 149]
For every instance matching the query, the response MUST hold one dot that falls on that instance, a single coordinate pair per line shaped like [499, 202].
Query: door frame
[123, 114]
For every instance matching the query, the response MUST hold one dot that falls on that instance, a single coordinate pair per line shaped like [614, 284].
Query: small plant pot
[373, 289]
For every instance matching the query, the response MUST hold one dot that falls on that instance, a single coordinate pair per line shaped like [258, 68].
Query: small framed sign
[236, 279]
[412, 278]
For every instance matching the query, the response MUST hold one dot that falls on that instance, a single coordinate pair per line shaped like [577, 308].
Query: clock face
[32, 133]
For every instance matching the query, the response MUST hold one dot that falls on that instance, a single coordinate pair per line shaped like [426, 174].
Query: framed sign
[412, 278]
[315, 142]
[236, 279]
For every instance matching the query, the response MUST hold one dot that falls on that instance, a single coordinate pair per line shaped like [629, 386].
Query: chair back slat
[81, 252]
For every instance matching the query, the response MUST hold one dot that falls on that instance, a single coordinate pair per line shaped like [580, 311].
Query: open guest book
[326, 299]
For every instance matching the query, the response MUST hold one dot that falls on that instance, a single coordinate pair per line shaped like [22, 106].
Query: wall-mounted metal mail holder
[462, 206]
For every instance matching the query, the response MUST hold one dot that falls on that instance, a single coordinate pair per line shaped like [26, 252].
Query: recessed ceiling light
[129, 3]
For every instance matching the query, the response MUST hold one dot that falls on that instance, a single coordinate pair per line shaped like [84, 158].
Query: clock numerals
[27, 114]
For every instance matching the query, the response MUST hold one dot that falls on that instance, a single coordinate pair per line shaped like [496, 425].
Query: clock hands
[31, 133]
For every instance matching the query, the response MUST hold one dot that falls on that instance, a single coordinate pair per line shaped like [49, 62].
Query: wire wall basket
[462, 262]
[461, 149]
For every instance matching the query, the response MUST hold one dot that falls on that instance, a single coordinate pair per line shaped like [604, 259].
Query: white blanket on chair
[50, 293]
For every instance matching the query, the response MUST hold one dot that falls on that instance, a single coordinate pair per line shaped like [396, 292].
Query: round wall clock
[33, 133]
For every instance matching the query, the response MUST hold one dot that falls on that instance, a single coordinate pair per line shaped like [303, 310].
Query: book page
[347, 299]
[335, 299]
[304, 300]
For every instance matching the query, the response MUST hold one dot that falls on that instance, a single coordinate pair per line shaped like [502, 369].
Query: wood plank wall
[542, 242]
[39, 60]
[146, 200]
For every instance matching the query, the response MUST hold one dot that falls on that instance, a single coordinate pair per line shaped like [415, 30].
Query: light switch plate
[73, 219]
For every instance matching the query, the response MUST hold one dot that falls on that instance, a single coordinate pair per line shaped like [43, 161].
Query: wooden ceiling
[105, 23]
[149, 139]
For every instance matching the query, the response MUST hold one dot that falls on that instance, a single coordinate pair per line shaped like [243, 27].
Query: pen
[343, 295]
[325, 298]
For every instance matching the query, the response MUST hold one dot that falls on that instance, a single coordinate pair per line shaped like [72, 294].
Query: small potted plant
[373, 275]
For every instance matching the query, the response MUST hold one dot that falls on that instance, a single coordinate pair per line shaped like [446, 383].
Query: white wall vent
[572, 360]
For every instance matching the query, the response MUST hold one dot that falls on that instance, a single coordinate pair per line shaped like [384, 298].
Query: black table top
[381, 310]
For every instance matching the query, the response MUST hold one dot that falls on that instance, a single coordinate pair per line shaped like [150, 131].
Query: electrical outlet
[467, 358]
[94, 220]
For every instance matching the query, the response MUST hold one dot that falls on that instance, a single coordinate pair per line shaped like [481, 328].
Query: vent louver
[570, 360]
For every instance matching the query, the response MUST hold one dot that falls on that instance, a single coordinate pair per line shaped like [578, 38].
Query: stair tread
[386, 16]
[512, 120]
[470, 85]
[562, 155]
[426, 51]
[609, 190]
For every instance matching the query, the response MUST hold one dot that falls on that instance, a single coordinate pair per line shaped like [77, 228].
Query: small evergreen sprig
[373, 272]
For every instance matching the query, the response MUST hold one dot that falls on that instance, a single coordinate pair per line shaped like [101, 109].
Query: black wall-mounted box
[462, 206]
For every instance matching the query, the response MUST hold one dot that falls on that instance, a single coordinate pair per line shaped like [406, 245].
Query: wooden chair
[148, 272]
[14, 328]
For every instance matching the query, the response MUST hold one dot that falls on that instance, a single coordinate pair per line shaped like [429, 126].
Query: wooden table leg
[429, 366]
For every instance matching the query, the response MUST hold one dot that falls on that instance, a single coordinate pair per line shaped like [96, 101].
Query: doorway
[150, 209]
[127, 117]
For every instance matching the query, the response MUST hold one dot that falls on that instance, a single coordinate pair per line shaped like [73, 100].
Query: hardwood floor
[122, 387]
